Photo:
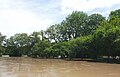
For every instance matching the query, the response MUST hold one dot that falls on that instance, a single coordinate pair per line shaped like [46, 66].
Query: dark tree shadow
[100, 60]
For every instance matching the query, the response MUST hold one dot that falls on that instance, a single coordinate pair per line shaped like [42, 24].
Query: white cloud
[22, 21]
[15, 17]
[68, 6]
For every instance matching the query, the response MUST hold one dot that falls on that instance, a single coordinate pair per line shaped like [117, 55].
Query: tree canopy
[78, 36]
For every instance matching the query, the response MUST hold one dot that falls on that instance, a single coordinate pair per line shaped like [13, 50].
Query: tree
[18, 45]
[76, 24]
[53, 33]
[94, 21]
[57, 49]
[35, 38]
[2, 40]
[39, 49]
[79, 47]
[116, 46]
[114, 14]
[104, 37]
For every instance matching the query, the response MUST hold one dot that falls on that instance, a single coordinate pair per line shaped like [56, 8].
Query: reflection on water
[29, 67]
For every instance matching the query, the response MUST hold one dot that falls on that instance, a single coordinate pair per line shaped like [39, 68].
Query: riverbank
[99, 60]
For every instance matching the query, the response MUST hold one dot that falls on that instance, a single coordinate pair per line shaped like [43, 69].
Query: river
[31, 67]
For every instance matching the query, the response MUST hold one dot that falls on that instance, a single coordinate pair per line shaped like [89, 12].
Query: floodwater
[30, 67]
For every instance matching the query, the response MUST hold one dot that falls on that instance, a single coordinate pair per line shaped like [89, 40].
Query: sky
[26, 16]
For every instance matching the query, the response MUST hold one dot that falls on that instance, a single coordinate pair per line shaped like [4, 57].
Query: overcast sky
[26, 16]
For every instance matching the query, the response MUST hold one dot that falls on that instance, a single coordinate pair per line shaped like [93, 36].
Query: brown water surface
[30, 67]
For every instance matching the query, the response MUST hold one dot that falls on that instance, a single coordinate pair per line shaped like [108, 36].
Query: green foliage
[78, 36]
[76, 24]
[114, 14]
[79, 47]
[94, 22]
[18, 44]
[53, 33]
[57, 49]
[116, 46]
[2, 40]
[104, 37]
[39, 49]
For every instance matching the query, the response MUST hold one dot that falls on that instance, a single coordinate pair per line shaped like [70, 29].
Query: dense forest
[78, 36]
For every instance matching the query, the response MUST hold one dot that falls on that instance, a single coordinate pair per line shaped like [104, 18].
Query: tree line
[78, 36]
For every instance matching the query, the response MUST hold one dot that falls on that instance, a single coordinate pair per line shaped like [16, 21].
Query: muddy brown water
[30, 67]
